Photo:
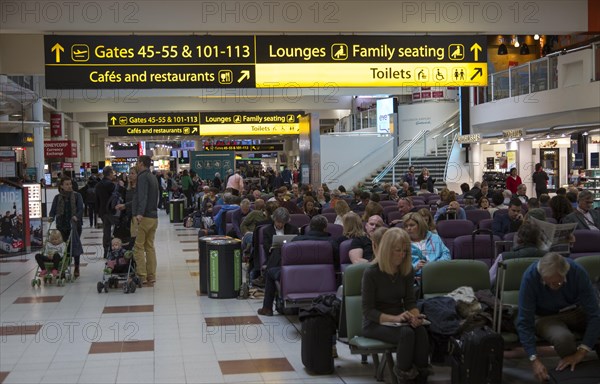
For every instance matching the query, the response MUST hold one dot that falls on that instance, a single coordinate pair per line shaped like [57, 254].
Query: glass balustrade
[534, 76]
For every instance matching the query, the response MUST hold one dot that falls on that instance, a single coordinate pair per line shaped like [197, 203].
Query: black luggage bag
[477, 357]
[317, 344]
[319, 326]
[586, 372]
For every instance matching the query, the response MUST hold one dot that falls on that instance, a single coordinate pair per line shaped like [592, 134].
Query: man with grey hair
[584, 216]
[556, 297]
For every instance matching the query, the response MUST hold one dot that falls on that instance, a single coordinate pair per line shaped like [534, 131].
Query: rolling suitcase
[482, 232]
[477, 357]
[317, 343]
[586, 372]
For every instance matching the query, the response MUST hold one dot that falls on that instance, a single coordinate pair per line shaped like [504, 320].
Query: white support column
[85, 149]
[38, 138]
[476, 162]
[75, 137]
[526, 165]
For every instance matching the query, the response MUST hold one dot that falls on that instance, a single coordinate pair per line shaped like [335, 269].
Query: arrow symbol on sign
[476, 48]
[478, 72]
[58, 49]
[194, 130]
[113, 120]
[245, 75]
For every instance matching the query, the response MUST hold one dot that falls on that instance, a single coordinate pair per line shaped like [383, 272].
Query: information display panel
[134, 62]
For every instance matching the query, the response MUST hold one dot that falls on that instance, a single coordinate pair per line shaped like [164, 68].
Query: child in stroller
[53, 252]
[119, 267]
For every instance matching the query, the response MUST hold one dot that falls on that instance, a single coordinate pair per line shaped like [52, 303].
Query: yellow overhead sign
[271, 61]
[372, 75]
[249, 129]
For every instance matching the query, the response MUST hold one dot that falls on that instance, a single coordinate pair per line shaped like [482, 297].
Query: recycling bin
[224, 268]
[176, 210]
[203, 259]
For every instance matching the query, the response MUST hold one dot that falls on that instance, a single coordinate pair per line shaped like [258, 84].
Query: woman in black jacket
[424, 178]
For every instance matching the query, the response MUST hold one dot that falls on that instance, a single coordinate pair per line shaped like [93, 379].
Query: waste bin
[176, 210]
[203, 259]
[224, 268]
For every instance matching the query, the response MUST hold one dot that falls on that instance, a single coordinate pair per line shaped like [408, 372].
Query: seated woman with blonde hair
[387, 299]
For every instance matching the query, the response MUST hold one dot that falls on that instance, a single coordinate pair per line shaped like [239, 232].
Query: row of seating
[308, 267]
[438, 279]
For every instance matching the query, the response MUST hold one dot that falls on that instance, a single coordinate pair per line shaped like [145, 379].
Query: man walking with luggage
[145, 212]
[556, 297]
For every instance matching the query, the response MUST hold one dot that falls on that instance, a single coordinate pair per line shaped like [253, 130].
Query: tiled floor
[164, 334]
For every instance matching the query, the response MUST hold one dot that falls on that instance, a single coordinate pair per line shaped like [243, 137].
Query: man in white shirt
[584, 216]
[236, 183]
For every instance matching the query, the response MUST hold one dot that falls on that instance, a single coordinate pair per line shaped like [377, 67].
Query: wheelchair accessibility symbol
[439, 74]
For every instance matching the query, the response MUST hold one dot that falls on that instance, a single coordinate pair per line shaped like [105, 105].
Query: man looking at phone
[556, 297]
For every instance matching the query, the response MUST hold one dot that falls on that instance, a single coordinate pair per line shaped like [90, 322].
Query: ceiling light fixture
[517, 44]
[536, 37]
[585, 133]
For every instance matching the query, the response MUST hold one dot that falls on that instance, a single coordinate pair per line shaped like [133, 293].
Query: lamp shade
[502, 50]
[524, 49]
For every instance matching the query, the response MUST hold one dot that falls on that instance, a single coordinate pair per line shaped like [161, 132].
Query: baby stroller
[64, 266]
[123, 270]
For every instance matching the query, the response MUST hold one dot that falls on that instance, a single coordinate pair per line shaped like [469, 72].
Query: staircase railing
[440, 134]
[404, 150]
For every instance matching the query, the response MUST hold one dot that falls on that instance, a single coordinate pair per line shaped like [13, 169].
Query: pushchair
[123, 271]
[64, 266]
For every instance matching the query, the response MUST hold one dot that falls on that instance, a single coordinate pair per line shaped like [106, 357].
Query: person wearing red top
[513, 181]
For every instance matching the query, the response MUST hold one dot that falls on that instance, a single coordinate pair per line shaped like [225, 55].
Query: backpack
[90, 195]
[115, 199]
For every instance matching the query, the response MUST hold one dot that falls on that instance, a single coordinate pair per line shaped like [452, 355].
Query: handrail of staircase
[407, 149]
[403, 151]
[454, 139]
[366, 157]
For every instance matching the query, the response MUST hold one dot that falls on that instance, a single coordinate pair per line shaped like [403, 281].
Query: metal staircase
[428, 149]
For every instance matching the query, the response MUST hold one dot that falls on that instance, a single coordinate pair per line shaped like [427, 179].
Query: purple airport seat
[486, 224]
[330, 217]
[389, 208]
[551, 220]
[328, 210]
[299, 219]
[345, 254]
[397, 215]
[451, 229]
[502, 211]
[419, 206]
[433, 198]
[476, 215]
[510, 236]
[418, 200]
[586, 243]
[307, 271]
[261, 250]
[335, 230]
[483, 249]
[388, 203]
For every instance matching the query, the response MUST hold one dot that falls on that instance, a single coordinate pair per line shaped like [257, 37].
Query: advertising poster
[12, 236]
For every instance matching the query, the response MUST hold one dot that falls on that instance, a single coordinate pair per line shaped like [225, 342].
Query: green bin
[224, 268]
[203, 259]
[176, 210]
